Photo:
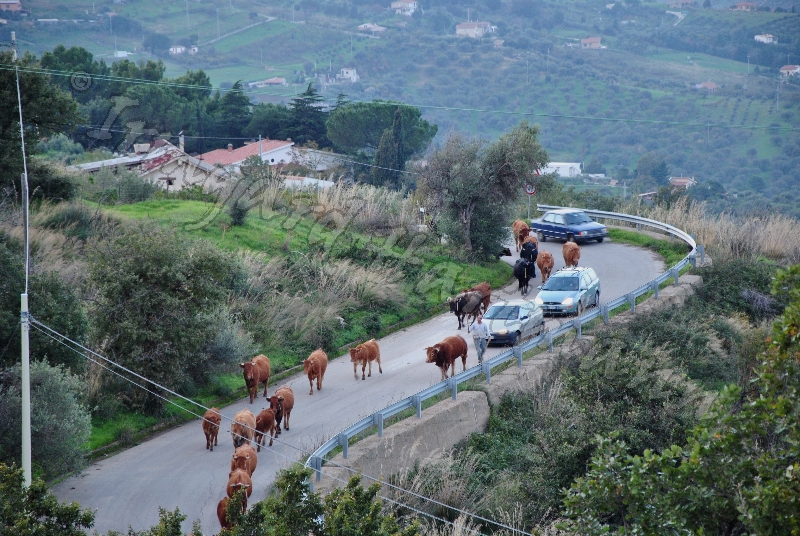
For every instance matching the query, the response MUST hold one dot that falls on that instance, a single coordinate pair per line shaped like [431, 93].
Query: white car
[511, 321]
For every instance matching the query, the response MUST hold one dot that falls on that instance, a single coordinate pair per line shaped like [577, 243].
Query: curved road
[174, 470]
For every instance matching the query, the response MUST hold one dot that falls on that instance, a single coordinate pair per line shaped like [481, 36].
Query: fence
[451, 384]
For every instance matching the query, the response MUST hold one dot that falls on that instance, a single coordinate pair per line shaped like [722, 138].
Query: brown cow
[276, 405]
[239, 479]
[245, 457]
[545, 262]
[445, 353]
[256, 371]
[315, 367]
[222, 511]
[520, 230]
[242, 428]
[572, 254]
[286, 394]
[265, 424]
[211, 421]
[365, 353]
[486, 291]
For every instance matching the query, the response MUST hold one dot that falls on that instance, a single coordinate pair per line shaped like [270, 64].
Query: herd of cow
[247, 427]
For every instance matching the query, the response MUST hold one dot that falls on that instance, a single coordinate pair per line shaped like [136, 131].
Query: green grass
[672, 251]
[123, 427]
[703, 60]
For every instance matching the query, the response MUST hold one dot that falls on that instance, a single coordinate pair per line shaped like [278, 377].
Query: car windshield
[561, 283]
[577, 217]
[503, 312]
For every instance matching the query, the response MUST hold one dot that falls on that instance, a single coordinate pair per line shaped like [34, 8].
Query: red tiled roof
[225, 157]
[790, 67]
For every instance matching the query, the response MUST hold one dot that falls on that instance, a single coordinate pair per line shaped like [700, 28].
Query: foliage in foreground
[61, 424]
[739, 472]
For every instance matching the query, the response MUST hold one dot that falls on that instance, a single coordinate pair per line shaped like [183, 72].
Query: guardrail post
[453, 386]
[576, 323]
[343, 443]
[316, 465]
[487, 371]
[693, 260]
[676, 274]
[654, 284]
[417, 401]
[702, 251]
[605, 310]
[377, 418]
[517, 351]
[550, 342]
[632, 302]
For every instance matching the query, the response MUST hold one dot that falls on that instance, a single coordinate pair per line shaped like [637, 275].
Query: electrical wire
[58, 337]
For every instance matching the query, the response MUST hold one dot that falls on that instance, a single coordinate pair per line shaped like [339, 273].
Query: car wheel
[541, 237]
[541, 329]
[581, 309]
[597, 299]
[600, 240]
[515, 340]
[570, 238]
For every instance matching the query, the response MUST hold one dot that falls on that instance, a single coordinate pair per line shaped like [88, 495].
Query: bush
[238, 213]
[49, 182]
[61, 424]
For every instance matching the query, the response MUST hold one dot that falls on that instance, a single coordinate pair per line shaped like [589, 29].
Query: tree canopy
[357, 126]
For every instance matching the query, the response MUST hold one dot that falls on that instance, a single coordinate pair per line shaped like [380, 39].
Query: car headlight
[581, 233]
[538, 301]
[502, 332]
[567, 301]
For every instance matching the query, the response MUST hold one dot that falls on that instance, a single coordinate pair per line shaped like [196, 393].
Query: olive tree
[466, 174]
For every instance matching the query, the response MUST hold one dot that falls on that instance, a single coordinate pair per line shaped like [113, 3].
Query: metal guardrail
[451, 384]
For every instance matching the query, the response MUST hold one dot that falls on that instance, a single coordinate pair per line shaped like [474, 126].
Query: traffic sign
[530, 189]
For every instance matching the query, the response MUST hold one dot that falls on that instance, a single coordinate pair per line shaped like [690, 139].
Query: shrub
[238, 213]
[61, 424]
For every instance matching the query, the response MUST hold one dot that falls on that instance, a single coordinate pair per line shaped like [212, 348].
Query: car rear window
[503, 312]
[562, 283]
[577, 217]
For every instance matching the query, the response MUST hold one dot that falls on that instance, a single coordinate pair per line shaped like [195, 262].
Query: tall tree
[466, 173]
[231, 112]
[390, 160]
[75, 70]
[359, 126]
[46, 110]
[653, 165]
[308, 118]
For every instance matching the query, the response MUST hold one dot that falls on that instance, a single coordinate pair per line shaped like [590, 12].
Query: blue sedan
[570, 225]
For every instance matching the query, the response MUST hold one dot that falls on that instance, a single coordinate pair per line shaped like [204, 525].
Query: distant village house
[268, 82]
[710, 86]
[404, 7]
[10, 5]
[177, 49]
[369, 27]
[347, 75]
[790, 70]
[766, 38]
[744, 6]
[681, 4]
[474, 29]
[682, 182]
[590, 42]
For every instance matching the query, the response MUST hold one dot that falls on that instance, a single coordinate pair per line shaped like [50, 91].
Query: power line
[60, 338]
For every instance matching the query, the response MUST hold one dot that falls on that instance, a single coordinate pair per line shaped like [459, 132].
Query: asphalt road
[174, 470]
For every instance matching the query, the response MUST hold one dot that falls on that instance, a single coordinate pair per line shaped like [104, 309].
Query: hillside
[609, 106]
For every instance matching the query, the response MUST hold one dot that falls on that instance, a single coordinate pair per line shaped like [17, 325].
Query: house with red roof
[591, 42]
[271, 151]
[682, 182]
[790, 70]
[744, 6]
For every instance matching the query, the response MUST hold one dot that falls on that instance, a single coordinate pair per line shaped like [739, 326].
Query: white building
[766, 38]
[563, 169]
[347, 75]
[474, 29]
[177, 49]
[404, 7]
[271, 151]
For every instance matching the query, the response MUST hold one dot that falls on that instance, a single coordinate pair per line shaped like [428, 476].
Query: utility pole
[748, 71]
[527, 78]
[217, 23]
[24, 314]
[187, 15]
